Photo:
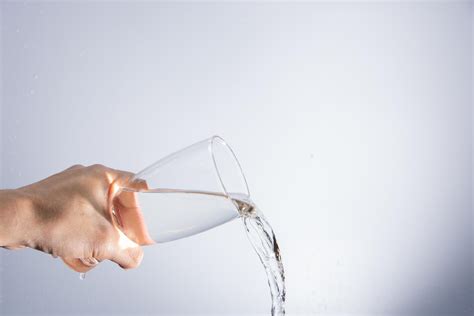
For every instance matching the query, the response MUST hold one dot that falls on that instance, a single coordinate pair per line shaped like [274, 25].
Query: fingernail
[90, 262]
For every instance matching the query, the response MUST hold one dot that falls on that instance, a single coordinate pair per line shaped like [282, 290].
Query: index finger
[126, 208]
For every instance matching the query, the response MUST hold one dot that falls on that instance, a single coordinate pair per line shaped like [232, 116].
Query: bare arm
[16, 208]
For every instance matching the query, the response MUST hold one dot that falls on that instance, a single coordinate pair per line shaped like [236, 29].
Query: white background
[352, 123]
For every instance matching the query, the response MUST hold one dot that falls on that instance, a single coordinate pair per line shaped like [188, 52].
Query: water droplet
[311, 156]
[32, 91]
[82, 276]
[17, 30]
[35, 76]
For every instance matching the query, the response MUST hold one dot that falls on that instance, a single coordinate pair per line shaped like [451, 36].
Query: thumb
[129, 254]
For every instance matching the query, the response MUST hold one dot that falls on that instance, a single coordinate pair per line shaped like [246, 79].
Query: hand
[79, 216]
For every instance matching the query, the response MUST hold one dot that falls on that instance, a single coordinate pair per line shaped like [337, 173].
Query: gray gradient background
[352, 122]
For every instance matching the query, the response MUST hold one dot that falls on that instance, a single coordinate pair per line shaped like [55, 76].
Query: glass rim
[213, 142]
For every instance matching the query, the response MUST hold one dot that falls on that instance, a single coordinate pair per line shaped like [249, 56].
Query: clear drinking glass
[187, 192]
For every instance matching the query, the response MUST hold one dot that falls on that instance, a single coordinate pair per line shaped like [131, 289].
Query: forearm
[16, 214]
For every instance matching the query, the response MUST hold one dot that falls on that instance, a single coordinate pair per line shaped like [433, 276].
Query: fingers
[132, 222]
[129, 258]
[125, 179]
[74, 167]
[14, 247]
[126, 209]
[129, 214]
[78, 265]
[90, 262]
[117, 179]
[129, 255]
[126, 253]
[98, 185]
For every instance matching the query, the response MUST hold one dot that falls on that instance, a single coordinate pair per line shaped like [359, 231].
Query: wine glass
[184, 193]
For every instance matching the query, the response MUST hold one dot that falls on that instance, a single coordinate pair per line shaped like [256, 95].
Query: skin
[79, 215]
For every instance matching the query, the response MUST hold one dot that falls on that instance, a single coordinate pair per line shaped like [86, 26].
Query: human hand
[71, 215]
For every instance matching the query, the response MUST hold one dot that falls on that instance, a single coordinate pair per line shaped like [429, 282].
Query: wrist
[17, 213]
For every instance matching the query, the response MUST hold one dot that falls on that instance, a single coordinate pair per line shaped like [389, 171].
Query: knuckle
[100, 174]
[76, 166]
[98, 168]
[136, 256]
